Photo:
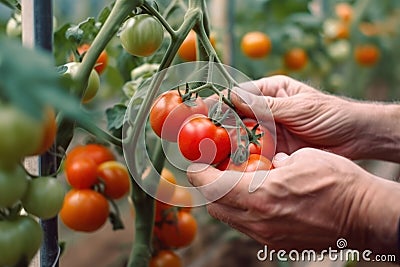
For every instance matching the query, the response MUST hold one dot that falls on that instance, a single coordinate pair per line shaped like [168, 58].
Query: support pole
[37, 33]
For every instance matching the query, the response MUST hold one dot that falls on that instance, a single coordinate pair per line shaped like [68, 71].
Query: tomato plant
[44, 197]
[256, 45]
[200, 140]
[84, 210]
[165, 258]
[142, 35]
[169, 111]
[115, 178]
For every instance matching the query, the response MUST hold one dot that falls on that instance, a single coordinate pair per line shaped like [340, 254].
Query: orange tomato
[188, 49]
[99, 153]
[342, 31]
[367, 54]
[256, 45]
[115, 177]
[165, 258]
[344, 11]
[182, 199]
[101, 62]
[295, 58]
[50, 131]
[81, 173]
[166, 186]
[84, 210]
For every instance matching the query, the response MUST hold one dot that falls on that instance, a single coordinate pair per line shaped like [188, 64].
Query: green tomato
[13, 185]
[21, 135]
[11, 243]
[32, 235]
[93, 82]
[142, 35]
[44, 197]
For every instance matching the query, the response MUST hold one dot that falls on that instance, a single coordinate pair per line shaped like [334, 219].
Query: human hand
[304, 116]
[308, 201]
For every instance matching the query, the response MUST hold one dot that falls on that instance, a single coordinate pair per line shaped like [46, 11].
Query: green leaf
[115, 119]
[13, 4]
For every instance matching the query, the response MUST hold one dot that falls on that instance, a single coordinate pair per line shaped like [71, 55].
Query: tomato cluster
[95, 177]
[174, 227]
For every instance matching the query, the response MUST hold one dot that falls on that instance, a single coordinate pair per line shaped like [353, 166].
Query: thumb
[280, 159]
[201, 174]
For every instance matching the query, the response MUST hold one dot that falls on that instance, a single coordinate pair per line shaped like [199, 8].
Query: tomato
[20, 239]
[93, 82]
[101, 62]
[142, 35]
[188, 49]
[266, 144]
[179, 230]
[166, 186]
[255, 162]
[295, 58]
[13, 185]
[84, 210]
[344, 11]
[20, 135]
[44, 197]
[97, 152]
[182, 198]
[162, 210]
[169, 112]
[115, 177]
[256, 45]
[81, 173]
[200, 140]
[50, 131]
[165, 258]
[367, 54]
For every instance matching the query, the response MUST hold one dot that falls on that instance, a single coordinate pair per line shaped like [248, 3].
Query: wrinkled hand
[308, 201]
[304, 116]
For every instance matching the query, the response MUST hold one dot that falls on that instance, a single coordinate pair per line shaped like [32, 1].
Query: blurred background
[330, 34]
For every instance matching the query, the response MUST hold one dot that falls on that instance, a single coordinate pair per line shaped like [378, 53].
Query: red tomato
[179, 230]
[115, 177]
[169, 112]
[255, 162]
[200, 140]
[165, 258]
[81, 173]
[97, 152]
[101, 62]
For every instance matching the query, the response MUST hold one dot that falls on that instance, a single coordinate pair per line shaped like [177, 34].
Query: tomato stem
[157, 14]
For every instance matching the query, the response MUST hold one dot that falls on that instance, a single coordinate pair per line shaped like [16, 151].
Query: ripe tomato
[44, 197]
[200, 140]
[256, 45]
[97, 152]
[162, 210]
[255, 162]
[20, 135]
[166, 186]
[93, 82]
[142, 35]
[169, 112]
[81, 173]
[13, 185]
[165, 258]
[295, 58]
[84, 210]
[101, 62]
[50, 131]
[188, 49]
[179, 230]
[182, 199]
[115, 177]
[344, 11]
[367, 54]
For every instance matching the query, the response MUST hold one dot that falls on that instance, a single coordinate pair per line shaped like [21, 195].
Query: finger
[279, 160]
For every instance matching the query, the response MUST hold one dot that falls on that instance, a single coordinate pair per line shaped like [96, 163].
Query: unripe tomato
[32, 233]
[115, 177]
[84, 210]
[366, 55]
[165, 258]
[188, 49]
[13, 185]
[93, 82]
[20, 134]
[44, 197]
[295, 59]
[142, 35]
[14, 26]
[101, 62]
[256, 45]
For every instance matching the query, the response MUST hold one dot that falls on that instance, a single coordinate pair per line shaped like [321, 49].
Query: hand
[304, 116]
[308, 201]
